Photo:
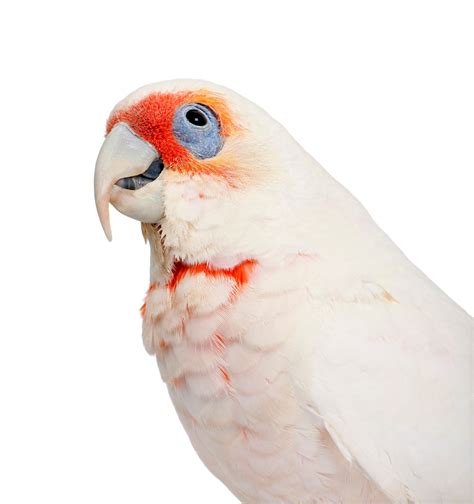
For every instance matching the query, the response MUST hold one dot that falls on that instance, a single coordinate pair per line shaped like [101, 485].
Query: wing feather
[393, 381]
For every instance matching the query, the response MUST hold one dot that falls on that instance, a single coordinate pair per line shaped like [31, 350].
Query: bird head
[209, 172]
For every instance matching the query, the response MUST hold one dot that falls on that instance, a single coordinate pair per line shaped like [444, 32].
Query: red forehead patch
[152, 119]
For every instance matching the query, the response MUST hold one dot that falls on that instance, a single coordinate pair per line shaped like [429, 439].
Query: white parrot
[308, 359]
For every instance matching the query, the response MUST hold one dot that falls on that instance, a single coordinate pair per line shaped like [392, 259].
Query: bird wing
[392, 379]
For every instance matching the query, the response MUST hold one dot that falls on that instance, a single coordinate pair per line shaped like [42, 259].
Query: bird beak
[123, 154]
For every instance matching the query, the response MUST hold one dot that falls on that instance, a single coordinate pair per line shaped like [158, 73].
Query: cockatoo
[308, 359]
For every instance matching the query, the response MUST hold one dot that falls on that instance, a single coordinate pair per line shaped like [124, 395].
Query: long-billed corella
[308, 359]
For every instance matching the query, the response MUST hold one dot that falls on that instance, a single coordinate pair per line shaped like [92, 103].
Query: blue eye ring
[197, 128]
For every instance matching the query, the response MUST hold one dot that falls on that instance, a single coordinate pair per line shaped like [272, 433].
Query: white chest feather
[225, 347]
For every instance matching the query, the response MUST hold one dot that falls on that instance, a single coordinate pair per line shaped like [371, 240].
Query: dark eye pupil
[196, 117]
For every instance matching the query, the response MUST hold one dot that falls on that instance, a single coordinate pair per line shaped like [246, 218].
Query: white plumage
[335, 371]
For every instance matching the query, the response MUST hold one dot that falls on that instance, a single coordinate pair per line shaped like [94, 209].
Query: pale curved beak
[123, 154]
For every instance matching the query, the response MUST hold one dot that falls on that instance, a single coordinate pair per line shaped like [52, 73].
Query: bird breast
[225, 342]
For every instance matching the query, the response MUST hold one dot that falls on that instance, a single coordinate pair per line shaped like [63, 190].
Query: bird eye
[196, 117]
[197, 128]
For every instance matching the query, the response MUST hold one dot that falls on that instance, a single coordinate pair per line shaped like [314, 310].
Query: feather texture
[309, 361]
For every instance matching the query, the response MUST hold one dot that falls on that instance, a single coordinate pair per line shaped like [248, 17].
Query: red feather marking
[164, 345]
[152, 287]
[219, 342]
[225, 374]
[240, 273]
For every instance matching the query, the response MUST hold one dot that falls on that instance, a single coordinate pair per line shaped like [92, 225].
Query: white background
[381, 93]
